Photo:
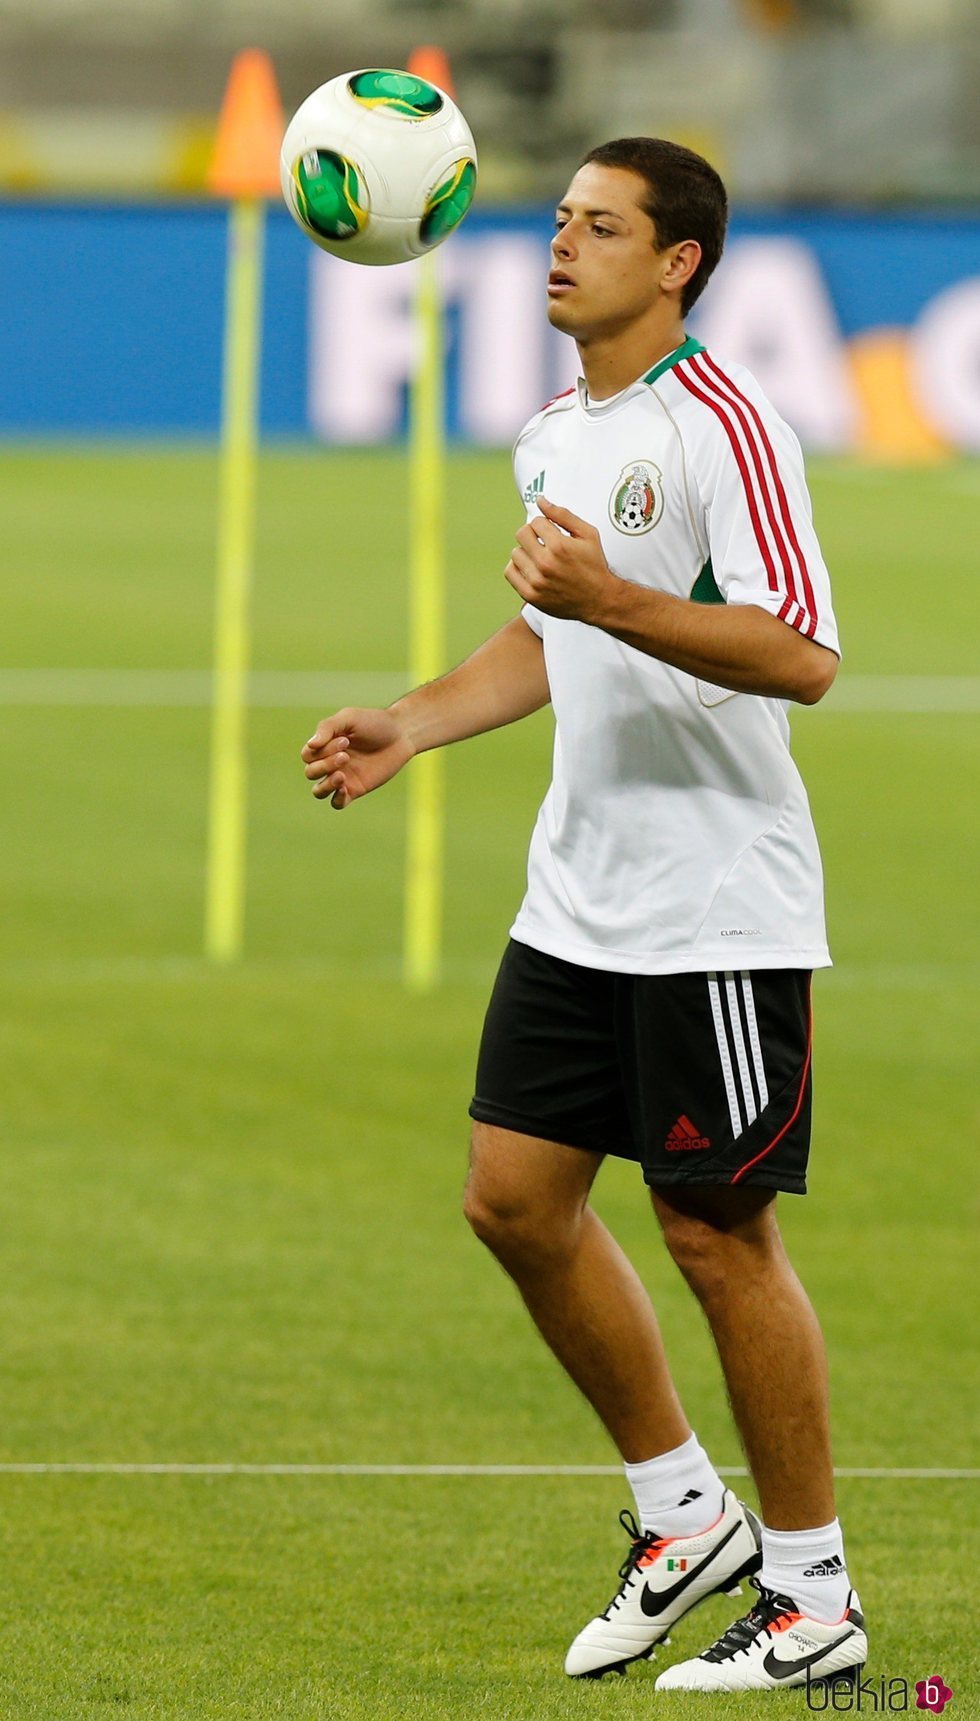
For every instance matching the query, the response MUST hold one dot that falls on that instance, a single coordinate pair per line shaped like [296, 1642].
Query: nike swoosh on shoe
[654, 1602]
[779, 1669]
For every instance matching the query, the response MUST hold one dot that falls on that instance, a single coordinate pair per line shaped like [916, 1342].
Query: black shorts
[702, 1078]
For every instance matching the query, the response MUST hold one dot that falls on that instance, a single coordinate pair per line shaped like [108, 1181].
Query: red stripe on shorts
[799, 1098]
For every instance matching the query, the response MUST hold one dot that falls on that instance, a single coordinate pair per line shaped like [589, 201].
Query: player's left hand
[558, 565]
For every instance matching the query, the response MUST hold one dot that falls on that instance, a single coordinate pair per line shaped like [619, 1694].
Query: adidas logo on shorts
[684, 1136]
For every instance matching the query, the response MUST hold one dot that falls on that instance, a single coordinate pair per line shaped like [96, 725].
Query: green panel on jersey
[704, 589]
[686, 351]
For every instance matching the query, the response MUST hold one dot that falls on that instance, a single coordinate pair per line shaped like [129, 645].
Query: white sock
[679, 1493]
[808, 1566]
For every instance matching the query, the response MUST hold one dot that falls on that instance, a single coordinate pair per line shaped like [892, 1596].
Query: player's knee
[697, 1248]
[726, 1240]
[512, 1226]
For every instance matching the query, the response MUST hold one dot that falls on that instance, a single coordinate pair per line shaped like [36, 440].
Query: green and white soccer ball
[378, 166]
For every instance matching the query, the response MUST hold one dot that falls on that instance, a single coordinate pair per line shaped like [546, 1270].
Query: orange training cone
[432, 64]
[245, 162]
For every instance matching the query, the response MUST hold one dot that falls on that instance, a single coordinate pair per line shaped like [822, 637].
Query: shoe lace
[641, 1541]
[741, 1635]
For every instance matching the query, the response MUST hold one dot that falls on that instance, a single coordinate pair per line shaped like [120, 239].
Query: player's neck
[611, 362]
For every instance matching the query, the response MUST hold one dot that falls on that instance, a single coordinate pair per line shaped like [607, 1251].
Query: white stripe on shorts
[724, 1054]
[739, 1039]
[754, 1042]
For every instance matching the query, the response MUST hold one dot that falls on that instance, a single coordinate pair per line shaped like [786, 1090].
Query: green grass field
[230, 1199]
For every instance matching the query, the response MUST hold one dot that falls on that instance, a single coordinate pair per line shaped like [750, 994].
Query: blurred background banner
[863, 328]
[848, 132]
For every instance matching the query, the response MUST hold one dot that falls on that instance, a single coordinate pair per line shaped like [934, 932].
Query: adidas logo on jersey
[534, 489]
[684, 1136]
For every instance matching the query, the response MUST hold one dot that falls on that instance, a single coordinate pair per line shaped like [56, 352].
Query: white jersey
[676, 834]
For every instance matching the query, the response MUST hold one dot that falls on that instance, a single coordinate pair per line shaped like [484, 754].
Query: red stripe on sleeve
[729, 428]
[784, 507]
[753, 443]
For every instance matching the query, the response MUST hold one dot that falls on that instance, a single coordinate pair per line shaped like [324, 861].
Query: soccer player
[654, 999]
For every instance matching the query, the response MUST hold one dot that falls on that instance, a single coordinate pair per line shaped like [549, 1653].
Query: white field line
[268, 688]
[279, 689]
[872, 1473]
[907, 694]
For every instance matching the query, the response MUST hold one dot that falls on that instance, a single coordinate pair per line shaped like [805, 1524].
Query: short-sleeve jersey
[676, 834]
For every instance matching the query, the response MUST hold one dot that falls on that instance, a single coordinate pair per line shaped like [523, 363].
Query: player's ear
[683, 260]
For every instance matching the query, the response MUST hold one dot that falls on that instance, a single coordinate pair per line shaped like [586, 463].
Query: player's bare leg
[727, 1244]
[807, 1623]
[527, 1200]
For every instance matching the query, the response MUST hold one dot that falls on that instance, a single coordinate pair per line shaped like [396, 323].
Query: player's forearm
[503, 680]
[734, 645]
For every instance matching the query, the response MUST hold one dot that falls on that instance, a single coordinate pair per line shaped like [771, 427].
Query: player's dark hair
[685, 198]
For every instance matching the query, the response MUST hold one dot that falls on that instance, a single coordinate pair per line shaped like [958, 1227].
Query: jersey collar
[599, 408]
[686, 350]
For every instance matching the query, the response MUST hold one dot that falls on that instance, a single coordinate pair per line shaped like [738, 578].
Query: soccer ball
[378, 166]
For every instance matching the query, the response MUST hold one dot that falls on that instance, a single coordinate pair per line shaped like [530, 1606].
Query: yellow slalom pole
[427, 638]
[225, 894]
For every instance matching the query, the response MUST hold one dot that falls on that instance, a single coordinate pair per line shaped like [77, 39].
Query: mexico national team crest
[637, 501]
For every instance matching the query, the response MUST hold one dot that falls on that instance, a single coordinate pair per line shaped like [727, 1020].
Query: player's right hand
[354, 752]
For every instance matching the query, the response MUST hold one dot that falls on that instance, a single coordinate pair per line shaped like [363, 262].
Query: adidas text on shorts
[701, 1078]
